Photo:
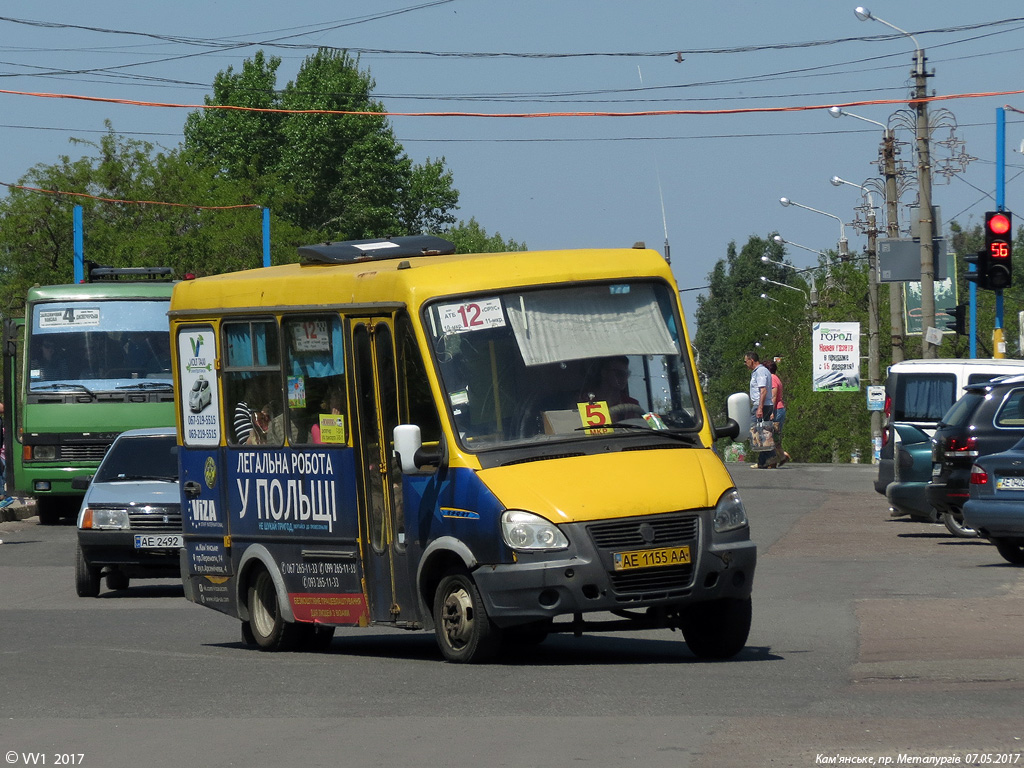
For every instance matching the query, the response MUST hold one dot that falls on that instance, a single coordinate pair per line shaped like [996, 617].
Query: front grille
[653, 582]
[153, 519]
[643, 533]
[83, 452]
[668, 530]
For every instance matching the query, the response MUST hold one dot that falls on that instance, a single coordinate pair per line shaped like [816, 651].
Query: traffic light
[998, 251]
[978, 275]
[957, 319]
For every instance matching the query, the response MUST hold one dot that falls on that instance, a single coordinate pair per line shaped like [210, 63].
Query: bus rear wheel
[465, 634]
[268, 628]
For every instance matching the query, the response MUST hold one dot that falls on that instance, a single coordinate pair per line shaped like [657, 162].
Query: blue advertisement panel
[293, 493]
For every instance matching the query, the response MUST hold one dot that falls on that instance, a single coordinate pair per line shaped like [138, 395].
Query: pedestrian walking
[761, 401]
[779, 416]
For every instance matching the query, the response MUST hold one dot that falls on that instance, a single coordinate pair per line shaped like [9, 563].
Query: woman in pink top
[781, 457]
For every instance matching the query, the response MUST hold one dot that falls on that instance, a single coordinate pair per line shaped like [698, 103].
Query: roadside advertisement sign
[836, 356]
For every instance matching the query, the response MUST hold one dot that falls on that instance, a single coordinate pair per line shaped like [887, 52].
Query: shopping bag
[762, 436]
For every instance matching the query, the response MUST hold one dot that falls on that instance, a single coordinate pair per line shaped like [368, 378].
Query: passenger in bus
[246, 424]
[332, 405]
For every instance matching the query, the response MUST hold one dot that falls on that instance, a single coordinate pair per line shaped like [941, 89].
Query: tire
[87, 577]
[465, 634]
[269, 629]
[49, 509]
[117, 580]
[954, 522]
[717, 630]
[523, 637]
[1012, 550]
[247, 636]
[317, 637]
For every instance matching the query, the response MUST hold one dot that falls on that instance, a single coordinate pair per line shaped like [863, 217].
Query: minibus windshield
[569, 362]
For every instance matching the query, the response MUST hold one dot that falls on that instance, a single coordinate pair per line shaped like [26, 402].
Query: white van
[919, 392]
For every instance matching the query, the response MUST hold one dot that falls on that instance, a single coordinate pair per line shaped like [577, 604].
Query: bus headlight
[44, 453]
[729, 512]
[527, 531]
[95, 518]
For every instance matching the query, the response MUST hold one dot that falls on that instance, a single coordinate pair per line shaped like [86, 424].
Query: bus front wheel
[267, 626]
[465, 633]
[717, 629]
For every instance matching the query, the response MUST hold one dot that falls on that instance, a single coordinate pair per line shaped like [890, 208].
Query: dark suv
[989, 418]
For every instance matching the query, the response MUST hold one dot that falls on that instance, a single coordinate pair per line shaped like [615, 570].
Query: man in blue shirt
[761, 401]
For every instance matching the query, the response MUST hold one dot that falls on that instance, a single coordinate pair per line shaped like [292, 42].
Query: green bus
[86, 363]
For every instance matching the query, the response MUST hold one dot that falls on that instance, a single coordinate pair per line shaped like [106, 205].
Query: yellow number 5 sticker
[595, 416]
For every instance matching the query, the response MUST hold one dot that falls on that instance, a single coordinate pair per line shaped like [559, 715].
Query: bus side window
[253, 395]
[415, 400]
[315, 370]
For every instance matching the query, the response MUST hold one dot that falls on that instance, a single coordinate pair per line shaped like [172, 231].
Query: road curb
[19, 510]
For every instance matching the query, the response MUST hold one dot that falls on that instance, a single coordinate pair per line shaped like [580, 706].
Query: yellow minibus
[494, 447]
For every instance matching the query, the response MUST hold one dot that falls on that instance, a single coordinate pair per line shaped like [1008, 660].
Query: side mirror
[81, 482]
[410, 451]
[738, 408]
[407, 442]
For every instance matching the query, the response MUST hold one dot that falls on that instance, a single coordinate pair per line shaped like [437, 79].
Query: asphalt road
[873, 639]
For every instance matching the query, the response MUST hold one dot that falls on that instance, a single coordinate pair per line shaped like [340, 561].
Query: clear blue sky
[566, 182]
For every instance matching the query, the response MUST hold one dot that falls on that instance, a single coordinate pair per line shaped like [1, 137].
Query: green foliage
[472, 238]
[345, 176]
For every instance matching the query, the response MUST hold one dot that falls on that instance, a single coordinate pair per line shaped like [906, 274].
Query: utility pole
[874, 375]
[924, 185]
[892, 229]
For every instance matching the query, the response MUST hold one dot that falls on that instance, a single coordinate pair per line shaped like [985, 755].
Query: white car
[200, 395]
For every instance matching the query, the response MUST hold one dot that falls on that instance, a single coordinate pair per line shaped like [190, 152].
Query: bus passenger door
[381, 514]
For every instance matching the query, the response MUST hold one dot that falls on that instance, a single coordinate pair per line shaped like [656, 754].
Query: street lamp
[779, 239]
[791, 287]
[843, 252]
[766, 296]
[864, 14]
[924, 186]
[840, 112]
[813, 299]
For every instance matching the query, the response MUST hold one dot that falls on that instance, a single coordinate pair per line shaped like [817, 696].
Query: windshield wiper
[147, 385]
[681, 437]
[65, 385]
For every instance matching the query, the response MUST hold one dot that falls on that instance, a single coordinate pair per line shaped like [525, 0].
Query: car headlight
[729, 512]
[527, 531]
[105, 518]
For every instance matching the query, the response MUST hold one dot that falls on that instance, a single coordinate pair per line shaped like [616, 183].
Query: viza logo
[197, 344]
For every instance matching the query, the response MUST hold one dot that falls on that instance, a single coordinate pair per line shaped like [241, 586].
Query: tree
[472, 238]
[345, 176]
[37, 233]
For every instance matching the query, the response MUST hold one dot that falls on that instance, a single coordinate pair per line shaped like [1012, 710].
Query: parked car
[919, 392]
[988, 419]
[912, 471]
[129, 525]
[996, 504]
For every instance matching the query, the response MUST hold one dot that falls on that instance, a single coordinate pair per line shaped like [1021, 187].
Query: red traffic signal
[998, 270]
